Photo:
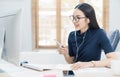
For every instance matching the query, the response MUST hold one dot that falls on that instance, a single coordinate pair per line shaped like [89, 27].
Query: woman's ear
[88, 20]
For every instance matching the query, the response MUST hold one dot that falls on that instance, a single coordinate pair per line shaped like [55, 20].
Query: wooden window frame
[35, 23]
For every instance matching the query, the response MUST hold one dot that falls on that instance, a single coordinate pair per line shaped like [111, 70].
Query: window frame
[35, 22]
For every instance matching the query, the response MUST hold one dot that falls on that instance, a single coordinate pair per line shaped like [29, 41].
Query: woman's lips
[76, 25]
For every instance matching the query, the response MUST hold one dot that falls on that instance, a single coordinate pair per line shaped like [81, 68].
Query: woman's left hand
[79, 65]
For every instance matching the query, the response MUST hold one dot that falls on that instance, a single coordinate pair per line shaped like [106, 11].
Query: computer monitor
[10, 21]
[2, 32]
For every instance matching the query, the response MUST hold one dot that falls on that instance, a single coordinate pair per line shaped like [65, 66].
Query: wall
[114, 14]
[25, 5]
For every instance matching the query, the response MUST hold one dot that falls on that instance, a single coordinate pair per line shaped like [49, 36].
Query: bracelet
[93, 62]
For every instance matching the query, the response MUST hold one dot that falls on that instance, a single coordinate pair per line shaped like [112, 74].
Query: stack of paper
[41, 67]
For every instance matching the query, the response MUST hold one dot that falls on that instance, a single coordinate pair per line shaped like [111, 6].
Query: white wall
[25, 5]
[114, 14]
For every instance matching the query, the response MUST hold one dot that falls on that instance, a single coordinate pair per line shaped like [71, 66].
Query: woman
[86, 43]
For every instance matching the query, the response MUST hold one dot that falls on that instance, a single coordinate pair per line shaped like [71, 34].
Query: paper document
[41, 67]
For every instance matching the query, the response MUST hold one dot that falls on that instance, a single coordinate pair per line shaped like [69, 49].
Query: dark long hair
[89, 13]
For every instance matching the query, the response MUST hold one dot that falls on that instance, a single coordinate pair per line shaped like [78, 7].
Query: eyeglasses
[76, 18]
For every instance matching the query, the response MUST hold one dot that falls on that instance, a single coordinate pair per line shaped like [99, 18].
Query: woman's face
[80, 21]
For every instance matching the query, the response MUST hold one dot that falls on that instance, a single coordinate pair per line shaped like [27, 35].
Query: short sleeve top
[95, 41]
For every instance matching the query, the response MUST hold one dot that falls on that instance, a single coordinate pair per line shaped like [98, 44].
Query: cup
[115, 67]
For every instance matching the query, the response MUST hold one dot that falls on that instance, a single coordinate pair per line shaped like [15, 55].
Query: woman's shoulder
[99, 31]
[72, 33]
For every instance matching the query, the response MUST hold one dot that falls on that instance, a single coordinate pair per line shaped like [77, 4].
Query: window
[51, 20]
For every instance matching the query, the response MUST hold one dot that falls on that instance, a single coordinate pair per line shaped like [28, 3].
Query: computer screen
[2, 33]
[10, 21]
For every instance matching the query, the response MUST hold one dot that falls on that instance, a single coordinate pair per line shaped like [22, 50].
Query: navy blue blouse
[90, 50]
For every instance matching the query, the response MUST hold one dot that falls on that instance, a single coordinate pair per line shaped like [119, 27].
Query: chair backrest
[114, 38]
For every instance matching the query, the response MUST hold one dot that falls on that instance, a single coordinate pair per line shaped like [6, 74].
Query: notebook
[42, 67]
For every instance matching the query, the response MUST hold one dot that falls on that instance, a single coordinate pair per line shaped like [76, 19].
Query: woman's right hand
[63, 50]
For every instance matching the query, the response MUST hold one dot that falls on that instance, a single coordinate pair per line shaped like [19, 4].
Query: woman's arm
[105, 63]
[64, 51]
[101, 63]
[69, 59]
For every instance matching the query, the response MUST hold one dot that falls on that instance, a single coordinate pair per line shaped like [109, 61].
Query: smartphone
[60, 45]
[68, 73]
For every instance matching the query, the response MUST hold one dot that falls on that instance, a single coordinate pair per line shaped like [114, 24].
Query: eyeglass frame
[76, 18]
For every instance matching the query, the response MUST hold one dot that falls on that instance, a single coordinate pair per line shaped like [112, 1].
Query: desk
[13, 71]
[31, 73]
[58, 73]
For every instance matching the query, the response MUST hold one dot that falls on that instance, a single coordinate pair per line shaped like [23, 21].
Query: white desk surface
[13, 71]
